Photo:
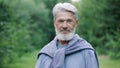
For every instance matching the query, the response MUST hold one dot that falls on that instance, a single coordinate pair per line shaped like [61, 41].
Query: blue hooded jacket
[77, 54]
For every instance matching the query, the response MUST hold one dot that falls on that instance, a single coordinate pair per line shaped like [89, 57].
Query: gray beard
[65, 37]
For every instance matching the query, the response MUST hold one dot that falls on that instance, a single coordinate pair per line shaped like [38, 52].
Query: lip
[65, 31]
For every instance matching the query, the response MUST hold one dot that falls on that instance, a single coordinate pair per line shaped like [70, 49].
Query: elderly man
[67, 49]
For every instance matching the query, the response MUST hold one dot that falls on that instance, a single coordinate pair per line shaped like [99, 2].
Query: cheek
[72, 26]
[57, 26]
[75, 25]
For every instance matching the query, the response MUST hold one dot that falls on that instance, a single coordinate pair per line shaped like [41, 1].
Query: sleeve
[39, 62]
[43, 61]
[91, 60]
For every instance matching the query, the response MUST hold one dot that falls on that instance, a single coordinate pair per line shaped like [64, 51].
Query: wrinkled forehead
[64, 15]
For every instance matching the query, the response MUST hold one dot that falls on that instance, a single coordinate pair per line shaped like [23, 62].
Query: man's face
[65, 25]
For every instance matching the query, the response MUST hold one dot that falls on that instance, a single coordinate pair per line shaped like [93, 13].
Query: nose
[64, 25]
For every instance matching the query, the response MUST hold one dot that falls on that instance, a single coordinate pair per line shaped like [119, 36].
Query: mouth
[65, 31]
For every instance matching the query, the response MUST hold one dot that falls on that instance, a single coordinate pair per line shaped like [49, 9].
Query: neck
[63, 42]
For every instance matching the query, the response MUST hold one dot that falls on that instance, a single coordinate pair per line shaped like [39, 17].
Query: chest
[75, 61]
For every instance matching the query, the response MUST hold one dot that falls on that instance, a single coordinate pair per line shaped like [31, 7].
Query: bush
[99, 24]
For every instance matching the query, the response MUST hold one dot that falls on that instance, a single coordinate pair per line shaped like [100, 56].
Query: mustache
[65, 30]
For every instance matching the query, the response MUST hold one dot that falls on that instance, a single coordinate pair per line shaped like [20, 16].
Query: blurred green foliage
[26, 25]
[99, 23]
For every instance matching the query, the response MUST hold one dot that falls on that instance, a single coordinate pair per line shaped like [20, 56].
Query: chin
[65, 37]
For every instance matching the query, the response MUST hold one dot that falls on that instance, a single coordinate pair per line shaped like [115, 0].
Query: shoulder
[44, 49]
[83, 43]
[90, 58]
[43, 61]
[48, 49]
[89, 52]
[43, 57]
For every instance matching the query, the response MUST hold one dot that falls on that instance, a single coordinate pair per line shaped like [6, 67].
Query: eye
[69, 21]
[60, 21]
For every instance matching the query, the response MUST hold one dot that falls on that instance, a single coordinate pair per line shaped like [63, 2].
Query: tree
[99, 24]
[24, 26]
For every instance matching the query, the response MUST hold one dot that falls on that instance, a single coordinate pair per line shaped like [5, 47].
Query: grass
[106, 62]
[29, 60]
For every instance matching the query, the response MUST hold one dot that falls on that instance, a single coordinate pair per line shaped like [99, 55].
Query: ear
[54, 22]
[76, 23]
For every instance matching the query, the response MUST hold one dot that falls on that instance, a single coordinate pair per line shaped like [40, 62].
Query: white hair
[65, 7]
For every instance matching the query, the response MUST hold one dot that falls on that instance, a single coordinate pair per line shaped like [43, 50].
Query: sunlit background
[76, 0]
[27, 25]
